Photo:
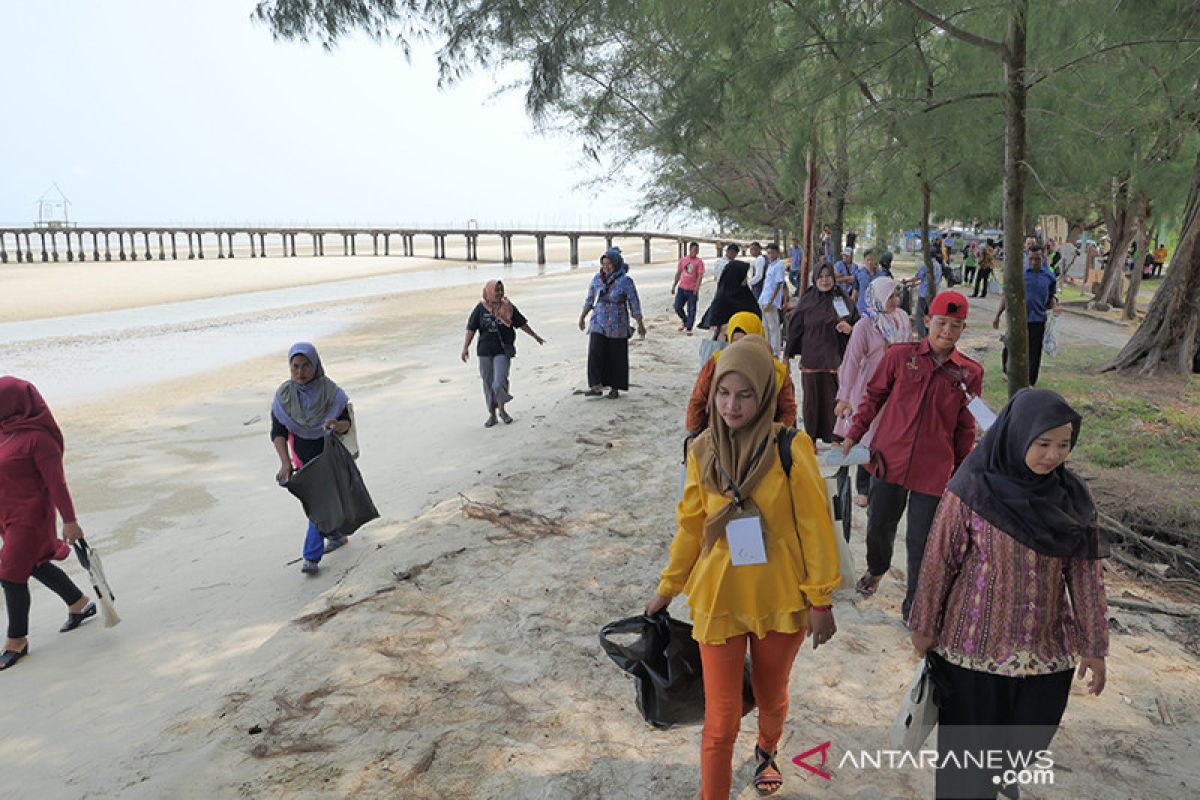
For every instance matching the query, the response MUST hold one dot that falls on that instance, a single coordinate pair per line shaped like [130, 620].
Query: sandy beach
[449, 650]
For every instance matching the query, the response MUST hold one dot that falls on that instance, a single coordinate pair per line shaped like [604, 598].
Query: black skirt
[608, 362]
[820, 396]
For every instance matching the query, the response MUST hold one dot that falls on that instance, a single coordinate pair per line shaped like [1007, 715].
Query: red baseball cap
[949, 304]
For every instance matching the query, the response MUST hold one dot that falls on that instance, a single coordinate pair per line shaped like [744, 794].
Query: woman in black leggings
[32, 489]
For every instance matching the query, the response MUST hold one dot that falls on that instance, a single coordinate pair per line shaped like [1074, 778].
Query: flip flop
[592, 393]
[334, 544]
[490, 423]
[75, 620]
[10, 657]
[868, 584]
[507, 419]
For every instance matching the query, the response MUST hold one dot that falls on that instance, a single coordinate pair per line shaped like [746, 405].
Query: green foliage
[717, 101]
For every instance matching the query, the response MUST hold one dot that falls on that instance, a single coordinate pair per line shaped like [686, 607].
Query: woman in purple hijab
[306, 406]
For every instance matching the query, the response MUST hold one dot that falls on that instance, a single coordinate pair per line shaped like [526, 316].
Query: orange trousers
[770, 668]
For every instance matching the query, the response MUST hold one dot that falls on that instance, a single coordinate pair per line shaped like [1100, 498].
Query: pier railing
[116, 243]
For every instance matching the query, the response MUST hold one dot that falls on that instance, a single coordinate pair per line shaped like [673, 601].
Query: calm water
[89, 355]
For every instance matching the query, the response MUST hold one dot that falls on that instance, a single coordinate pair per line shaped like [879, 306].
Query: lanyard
[737, 496]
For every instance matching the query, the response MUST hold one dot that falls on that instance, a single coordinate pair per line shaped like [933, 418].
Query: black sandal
[10, 657]
[766, 784]
[75, 620]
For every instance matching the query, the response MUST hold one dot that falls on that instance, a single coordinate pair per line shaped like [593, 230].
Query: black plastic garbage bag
[664, 660]
[332, 491]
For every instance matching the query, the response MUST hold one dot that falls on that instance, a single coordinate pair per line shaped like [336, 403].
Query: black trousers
[862, 481]
[608, 361]
[16, 596]
[886, 503]
[969, 273]
[1037, 332]
[980, 712]
[981, 280]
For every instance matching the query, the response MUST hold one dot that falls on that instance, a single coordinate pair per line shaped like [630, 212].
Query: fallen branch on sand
[318, 618]
[520, 525]
[1177, 557]
[1150, 608]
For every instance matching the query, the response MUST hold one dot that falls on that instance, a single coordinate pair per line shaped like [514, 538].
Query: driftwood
[1174, 555]
[1150, 608]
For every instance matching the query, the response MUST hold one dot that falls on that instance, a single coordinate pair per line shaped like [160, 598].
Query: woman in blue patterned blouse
[612, 299]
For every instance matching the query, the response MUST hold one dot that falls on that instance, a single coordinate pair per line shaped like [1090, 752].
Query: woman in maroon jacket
[32, 488]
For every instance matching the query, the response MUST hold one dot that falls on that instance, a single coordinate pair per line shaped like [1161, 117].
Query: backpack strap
[784, 440]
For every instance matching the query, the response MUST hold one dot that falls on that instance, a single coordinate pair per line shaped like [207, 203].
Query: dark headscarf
[731, 297]
[815, 310]
[23, 409]
[1052, 514]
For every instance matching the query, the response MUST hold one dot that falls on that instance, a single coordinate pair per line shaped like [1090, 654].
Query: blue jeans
[314, 543]
[690, 298]
[794, 277]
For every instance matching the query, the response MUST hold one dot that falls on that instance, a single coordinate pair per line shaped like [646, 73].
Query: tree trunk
[1171, 330]
[1135, 277]
[841, 185]
[926, 257]
[1120, 234]
[810, 200]
[1017, 332]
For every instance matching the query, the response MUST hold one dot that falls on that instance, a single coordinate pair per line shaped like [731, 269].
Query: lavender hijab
[305, 408]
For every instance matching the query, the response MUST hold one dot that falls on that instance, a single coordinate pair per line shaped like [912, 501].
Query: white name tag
[839, 305]
[984, 417]
[745, 538]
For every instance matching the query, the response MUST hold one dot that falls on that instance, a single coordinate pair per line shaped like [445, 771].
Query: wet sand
[441, 654]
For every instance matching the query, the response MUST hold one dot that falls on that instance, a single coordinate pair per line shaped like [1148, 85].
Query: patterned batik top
[612, 306]
[997, 606]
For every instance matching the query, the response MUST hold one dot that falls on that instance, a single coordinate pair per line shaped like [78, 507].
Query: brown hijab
[498, 307]
[732, 462]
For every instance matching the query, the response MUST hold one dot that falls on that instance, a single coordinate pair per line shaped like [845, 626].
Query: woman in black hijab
[1011, 590]
[732, 296]
[819, 329]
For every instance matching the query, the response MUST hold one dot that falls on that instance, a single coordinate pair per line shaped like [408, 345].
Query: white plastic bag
[918, 714]
[1050, 338]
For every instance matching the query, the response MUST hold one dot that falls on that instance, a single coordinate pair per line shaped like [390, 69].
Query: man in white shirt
[773, 298]
[758, 268]
[731, 252]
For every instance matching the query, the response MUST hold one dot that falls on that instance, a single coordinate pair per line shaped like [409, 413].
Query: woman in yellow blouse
[754, 553]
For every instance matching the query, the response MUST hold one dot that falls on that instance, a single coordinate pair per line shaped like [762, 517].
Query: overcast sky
[156, 111]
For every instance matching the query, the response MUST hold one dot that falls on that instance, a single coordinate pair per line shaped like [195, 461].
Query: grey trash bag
[332, 491]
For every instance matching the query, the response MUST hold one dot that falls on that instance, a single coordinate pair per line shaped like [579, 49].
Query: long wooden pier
[108, 243]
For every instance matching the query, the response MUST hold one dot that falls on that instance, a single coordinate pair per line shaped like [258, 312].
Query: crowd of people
[995, 520]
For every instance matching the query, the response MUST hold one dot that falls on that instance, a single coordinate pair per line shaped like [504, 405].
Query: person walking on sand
[884, 323]
[305, 408]
[732, 297]
[743, 323]
[32, 488]
[1040, 298]
[497, 321]
[921, 391]
[773, 298]
[731, 253]
[758, 268]
[611, 300]
[819, 329]
[686, 287]
[1017, 534]
[754, 553]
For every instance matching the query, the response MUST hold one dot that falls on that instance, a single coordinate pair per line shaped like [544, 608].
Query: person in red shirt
[688, 275]
[922, 389]
[32, 489]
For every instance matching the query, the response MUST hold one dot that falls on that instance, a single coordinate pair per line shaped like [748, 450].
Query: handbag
[845, 557]
[918, 712]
